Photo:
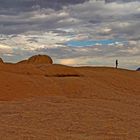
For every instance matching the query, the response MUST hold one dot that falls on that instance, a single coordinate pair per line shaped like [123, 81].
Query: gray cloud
[31, 4]
[108, 1]
[43, 26]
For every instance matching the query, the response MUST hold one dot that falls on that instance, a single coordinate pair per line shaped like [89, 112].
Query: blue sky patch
[87, 43]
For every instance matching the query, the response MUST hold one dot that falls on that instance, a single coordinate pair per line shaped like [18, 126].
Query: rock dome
[38, 59]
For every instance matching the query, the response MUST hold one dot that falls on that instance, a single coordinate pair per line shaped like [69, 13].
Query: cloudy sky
[72, 32]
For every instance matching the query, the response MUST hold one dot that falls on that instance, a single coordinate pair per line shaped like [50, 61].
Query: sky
[72, 32]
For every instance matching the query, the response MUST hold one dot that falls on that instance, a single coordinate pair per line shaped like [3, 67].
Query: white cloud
[45, 30]
[68, 61]
[5, 49]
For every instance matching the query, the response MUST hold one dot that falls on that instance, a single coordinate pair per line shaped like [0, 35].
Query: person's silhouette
[117, 63]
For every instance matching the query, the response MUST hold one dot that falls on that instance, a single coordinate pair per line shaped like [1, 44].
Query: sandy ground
[55, 102]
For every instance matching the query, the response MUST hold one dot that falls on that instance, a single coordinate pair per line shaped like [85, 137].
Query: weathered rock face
[1, 61]
[38, 59]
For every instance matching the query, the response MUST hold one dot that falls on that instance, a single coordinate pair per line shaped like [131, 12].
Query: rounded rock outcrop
[38, 59]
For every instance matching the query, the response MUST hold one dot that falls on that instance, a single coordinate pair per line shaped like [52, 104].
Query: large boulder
[38, 59]
[1, 61]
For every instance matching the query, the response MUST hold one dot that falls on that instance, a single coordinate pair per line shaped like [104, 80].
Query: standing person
[117, 63]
